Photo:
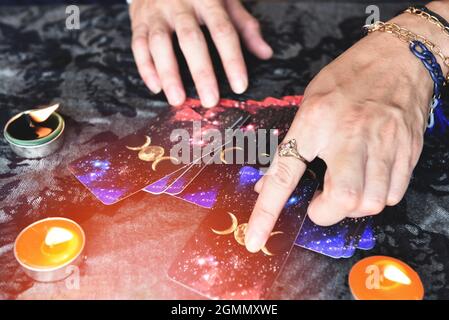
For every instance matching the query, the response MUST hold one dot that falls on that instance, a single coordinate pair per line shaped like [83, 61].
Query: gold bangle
[406, 35]
[432, 19]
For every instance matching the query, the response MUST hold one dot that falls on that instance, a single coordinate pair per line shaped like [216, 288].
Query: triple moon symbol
[151, 153]
[240, 232]
[223, 153]
[138, 148]
[160, 159]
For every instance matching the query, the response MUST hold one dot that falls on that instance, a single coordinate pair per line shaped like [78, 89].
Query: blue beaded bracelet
[428, 59]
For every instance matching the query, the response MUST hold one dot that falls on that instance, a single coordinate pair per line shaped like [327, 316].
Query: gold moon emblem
[240, 232]
[230, 229]
[151, 153]
[146, 144]
[265, 249]
[223, 153]
[159, 159]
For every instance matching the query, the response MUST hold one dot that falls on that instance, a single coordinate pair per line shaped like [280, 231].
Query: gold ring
[290, 149]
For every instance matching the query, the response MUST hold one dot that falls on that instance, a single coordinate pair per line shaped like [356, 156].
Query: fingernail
[239, 85]
[252, 243]
[209, 98]
[155, 88]
[175, 96]
[267, 51]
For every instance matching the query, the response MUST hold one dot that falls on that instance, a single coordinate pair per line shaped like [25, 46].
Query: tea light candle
[47, 247]
[384, 278]
[35, 133]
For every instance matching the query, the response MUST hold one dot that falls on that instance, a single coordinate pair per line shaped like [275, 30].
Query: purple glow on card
[325, 240]
[368, 238]
[108, 196]
[99, 168]
[204, 199]
[249, 176]
[334, 241]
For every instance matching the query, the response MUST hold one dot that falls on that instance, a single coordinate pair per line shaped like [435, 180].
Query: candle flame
[57, 235]
[394, 274]
[40, 115]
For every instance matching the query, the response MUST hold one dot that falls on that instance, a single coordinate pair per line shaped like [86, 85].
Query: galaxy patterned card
[215, 262]
[339, 240]
[118, 170]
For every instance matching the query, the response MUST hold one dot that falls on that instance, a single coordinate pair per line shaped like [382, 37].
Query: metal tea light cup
[56, 273]
[40, 147]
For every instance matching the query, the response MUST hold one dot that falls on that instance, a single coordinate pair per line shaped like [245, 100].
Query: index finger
[279, 183]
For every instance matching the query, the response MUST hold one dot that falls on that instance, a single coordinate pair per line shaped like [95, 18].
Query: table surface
[130, 245]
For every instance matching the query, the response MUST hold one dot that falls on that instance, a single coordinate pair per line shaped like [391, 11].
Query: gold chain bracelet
[407, 36]
[432, 19]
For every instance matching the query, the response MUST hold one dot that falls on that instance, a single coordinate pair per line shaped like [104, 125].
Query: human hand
[154, 21]
[364, 115]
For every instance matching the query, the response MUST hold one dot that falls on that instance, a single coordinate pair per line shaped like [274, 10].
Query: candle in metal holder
[35, 133]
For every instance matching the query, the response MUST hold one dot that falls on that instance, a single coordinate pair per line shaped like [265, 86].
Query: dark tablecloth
[131, 245]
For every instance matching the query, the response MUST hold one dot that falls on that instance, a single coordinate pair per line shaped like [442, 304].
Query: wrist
[405, 71]
[428, 31]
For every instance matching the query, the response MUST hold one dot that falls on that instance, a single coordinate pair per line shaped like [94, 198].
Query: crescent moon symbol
[265, 249]
[223, 152]
[155, 163]
[146, 144]
[229, 230]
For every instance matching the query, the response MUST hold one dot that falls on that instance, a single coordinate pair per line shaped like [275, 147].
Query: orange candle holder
[47, 248]
[384, 278]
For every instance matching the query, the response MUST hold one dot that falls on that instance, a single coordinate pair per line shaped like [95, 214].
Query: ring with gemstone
[290, 149]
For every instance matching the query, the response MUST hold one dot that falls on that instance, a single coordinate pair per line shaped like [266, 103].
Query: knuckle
[266, 213]
[189, 33]
[157, 33]
[223, 28]
[394, 198]
[372, 205]
[203, 75]
[283, 176]
[252, 24]
[139, 42]
[346, 197]
[313, 111]
[417, 146]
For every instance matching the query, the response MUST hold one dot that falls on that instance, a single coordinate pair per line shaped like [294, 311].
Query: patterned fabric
[131, 245]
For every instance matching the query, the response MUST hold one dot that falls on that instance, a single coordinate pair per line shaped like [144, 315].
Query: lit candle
[47, 247]
[384, 278]
[35, 133]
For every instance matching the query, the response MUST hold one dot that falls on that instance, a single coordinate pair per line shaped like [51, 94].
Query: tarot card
[339, 240]
[118, 170]
[215, 262]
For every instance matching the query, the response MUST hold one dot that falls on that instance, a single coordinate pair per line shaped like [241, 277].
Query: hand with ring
[364, 114]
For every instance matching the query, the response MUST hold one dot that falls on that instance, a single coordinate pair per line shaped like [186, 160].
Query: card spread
[215, 262]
